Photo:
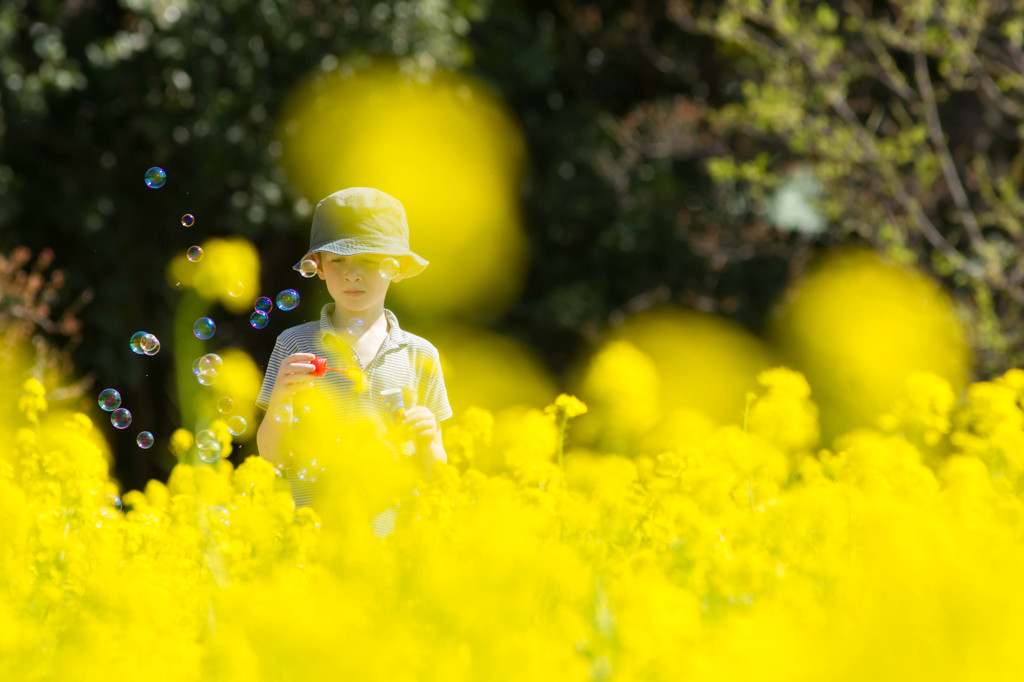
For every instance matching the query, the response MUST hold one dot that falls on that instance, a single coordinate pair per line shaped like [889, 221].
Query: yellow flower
[181, 442]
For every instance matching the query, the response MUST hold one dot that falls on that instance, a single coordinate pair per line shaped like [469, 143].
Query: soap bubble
[111, 506]
[156, 177]
[188, 220]
[307, 268]
[206, 362]
[355, 326]
[194, 253]
[259, 319]
[283, 414]
[205, 436]
[236, 289]
[288, 299]
[220, 515]
[225, 405]
[144, 440]
[204, 328]
[389, 268]
[207, 377]
[209, 451]
[135, 343]
[237, 425]
[309, 471]
[149, 344]
[121, 418]
[109, 400]
[264, 304]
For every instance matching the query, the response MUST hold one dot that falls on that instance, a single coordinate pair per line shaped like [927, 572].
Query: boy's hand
[294, 374]
[422, 424]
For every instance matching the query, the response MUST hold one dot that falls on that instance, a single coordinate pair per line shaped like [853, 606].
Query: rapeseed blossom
[726, 553]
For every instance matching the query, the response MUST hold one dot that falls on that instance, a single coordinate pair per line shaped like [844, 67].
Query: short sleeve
[277, 356]
[437, 395]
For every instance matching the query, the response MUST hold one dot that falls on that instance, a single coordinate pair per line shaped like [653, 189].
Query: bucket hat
[363, 220]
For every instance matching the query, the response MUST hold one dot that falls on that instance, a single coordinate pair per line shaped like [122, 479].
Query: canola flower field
[742, 552]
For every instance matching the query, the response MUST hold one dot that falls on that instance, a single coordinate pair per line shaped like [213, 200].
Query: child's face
[354, 282]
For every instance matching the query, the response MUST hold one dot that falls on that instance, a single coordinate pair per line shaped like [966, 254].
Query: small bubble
[236, 290]
[149, 344]
[188, 220]
[259, 319]
[225, 405]
[288, 299]
[156, 177]
[204, 328]
[135, 343]
[121, 418]
[283, 414]
[307, 268]
[206, 362]
[207, 376]
[237, 425]
[209, 451]
[109, 400]
[194, 253]
[389, 268]
[220, 515]
[205, 436]
[111, 506]
[264, 304]
[144, 440]
[310, 471]
[355, 326]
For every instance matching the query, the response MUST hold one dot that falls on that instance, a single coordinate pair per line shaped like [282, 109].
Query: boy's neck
[373, 320]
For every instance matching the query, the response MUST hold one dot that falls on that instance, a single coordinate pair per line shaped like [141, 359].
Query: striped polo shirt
[404, 361]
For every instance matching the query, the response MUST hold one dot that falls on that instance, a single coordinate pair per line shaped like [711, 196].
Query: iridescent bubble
[194, 253]
[144, 440]
[288, 299]
[259, 319]
[206, 362]
[207, 377]
[204, 328]
[389, 268]
[264, 304]
[121, 418]
[205, 436]
[309, 471]
[236, 289]
[237, 425]
[307, 268]
[156, 177]
[111, 506]
[135, 343]
[209, 451]
[283, 414]
[188, 220]
[355, 326]
[109, 400]
[149, 344]
[225, 405]
[220, 515]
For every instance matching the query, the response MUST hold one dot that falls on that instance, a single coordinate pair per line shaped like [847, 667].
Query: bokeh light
[229, 268]
[443, 145]
[858, 327]
[664, 368]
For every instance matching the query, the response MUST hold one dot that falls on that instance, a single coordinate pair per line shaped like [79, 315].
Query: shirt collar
[395, 338]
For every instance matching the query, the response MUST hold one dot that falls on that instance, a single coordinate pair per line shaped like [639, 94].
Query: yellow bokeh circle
[445, 147]
[858, 327]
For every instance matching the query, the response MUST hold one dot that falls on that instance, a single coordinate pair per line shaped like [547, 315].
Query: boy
[357, 237]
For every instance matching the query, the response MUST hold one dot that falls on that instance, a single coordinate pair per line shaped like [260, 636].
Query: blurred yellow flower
[228, 272]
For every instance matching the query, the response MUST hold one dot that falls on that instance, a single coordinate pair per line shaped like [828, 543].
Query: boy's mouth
[353, 291]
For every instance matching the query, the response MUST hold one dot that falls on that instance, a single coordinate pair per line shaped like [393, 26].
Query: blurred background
[642, 203]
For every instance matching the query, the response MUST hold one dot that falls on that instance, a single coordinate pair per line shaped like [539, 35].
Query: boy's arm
[426, 436]
[292, 377]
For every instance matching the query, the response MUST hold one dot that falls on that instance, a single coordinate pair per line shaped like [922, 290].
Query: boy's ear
[315, 257]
